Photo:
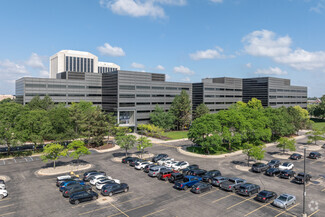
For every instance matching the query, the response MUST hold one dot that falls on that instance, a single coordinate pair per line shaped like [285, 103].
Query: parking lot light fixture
[304, 193]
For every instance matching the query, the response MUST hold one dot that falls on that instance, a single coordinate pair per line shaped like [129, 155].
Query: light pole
[304, 214]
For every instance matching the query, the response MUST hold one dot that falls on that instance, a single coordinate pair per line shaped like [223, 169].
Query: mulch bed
[103, 147]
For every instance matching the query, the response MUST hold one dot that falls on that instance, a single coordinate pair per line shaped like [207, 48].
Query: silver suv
[154, 171]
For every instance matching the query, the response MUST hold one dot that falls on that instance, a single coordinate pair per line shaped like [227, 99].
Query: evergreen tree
[162, 119]
[201, 110]
[181, 109]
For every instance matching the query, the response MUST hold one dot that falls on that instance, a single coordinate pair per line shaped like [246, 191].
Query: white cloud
[10, 67]
[44, 73]
[108, 50]
[160, 67]
[140, 8]
[209, 54]
[248, 65]
[319, 7]
[168, 77]
[217, 1]
[183, 70]
[186, 79]
[265, 43]
[137, 65]
[35, 61]
[271, 71]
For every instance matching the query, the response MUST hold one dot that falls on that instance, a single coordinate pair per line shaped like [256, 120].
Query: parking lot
[30, 195]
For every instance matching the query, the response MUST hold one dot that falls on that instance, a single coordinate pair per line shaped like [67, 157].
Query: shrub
[150, 130]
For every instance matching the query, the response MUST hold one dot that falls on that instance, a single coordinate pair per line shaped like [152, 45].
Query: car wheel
[76, 202]
[285, 206]
[95, 198]
[126, 190]
[110, 194]
[210, 181]
[273, 174]
[1, 196]
[233, 190]
[249, 194]
[185, 188]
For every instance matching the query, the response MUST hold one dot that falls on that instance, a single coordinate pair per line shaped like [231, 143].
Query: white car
[180, 165]
[164, 160]
[63, 177]
[3, 193]
[286, 166]
[97, 178]
[141, 165]
[100, 184]
[2, 186]
[171, 163]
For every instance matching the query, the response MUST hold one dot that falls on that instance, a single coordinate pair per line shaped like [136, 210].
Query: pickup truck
[232, 184]
[187, 182]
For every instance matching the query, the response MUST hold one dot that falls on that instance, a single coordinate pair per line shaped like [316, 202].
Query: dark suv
[75, 188]
[248, 189]
[114, 189]
[82, 196]
[259, 167]
[148, 167]
[158, 157]
[210, 175]
[126, 159]
[295, 156]
[273, 171]
[175, 177]
[189, 168]
[300, 178]
[315, 155]
[198, 172]
[287, 174]
[266, 196]
[274, 163]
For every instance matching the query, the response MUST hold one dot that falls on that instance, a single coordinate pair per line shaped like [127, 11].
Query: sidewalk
[159, 141]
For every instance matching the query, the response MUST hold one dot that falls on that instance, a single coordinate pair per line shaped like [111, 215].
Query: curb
[39, 172]
[116, 147]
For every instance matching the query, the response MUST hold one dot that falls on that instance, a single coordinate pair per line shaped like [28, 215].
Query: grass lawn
[176, 134]
[319, 124]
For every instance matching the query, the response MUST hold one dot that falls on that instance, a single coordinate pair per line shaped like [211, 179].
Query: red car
[165, 174]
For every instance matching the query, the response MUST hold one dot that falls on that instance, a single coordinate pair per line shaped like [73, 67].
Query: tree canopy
[181, 109]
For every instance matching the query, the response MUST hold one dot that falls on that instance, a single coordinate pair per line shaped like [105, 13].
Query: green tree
[78, 113]
[253, 151]
[286, 143]
[201, 110]
[162, 119]
[37, 103]
[126, 141]
[61, 123]
[181, 109]
[6, 100]
[255, 104]
[53, 152]
[315, 136]
[79, 149]
[112, 124]
[143, 142]
[299, 116]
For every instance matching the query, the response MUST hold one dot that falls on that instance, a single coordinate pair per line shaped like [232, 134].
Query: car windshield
[282, 198]
[242, 187]
[285, 164]
[154, 170]
[263, 194]
[272, 162]
[232, 180]
[186, 180]
[179, 163]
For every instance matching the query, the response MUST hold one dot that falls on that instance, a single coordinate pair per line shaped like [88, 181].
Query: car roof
[286, 195]
[314, 152]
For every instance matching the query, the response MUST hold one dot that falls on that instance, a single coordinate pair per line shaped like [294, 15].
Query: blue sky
[186, 39]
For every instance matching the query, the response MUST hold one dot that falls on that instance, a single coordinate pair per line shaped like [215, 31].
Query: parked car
[274, 163]
[3, 193]
[210, 175]
[286, 166]
[82, 196]
[295, 156]
[102, 178]
[284, 200]
[91, 174]
[323, 146]
[187, 182]
[287, 174]
[300, 177]
[63, 185]
[165, 174]
[2, 184]
[174, 177]
[201, 187]
[109, 190]
[171, 163]
[59, 182]
[232, 184]
[134, 162]
[153, 172]
[216, 181]
[197, 172]
[141, 165]
[315, 155]
[126, 159]
[100, 184]
[266, 196]
[75, 188]
[59, 178]
[148, 167]
[259, 167]
[274, 171]
[190, 167]
[248, 189]
[180, 165]
[158, 157]
[162, 161]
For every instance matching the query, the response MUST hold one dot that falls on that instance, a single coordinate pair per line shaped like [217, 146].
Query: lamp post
[304, 214]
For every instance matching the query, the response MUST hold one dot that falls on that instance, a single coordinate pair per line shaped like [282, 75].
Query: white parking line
[26, 159]
[31, 158]
[15, 160]
[4, 162]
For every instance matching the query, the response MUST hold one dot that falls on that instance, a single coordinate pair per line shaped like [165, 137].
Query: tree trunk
[54, 164]
[283, 149]
[248, 158]
[126, 152]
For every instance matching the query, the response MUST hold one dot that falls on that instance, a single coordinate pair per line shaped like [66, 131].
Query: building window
[76, 95]
[143, 95]
[170, 95]
[158, 103]
[143, 103]
[143, 119]
[130, 104]
[158, 88]
[94, 95]
[209, 103]
[78, 64]
[229, 96]
[208, 88]
[209, 96]
[127, 87]
[272, 90]
[229, 103]
[218, 103]
[88, 65]
[229, 89]
[70, 63]
[36, 85]
[66, 63]
[220, 89]
[92, 65]
[238, 90]
[184, 88]
[34, 94]
[94, 87]
[74, 64]
[76, 87]
[145, 111]
[220, 96]
[238, 96]
[143, 87]
[127, 96]
[168, 103]
[56, 86]
[171, 88]
[157, 95]
[82, 64]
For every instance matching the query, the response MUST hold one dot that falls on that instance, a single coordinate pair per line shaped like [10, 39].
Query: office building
[217, 93]
[274, 92]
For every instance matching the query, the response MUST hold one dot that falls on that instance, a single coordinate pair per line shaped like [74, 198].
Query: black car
[300, 178]
[273, 171]
[248, 189]
[210, 175]
[175, 177]
[82, 196]
[148, 167]
[91, 174]
[2, 181]
[109, 190]
[287, 174]
[323, 146]
[274, 163]
[295, 156]
[259, 167]
[126, 159]
[158, 157]
[266, 196]
[197, 172]
[75, 188]
[189, 168]
[200, 187]
[315, 155]
[216, 181]
[136, 160]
